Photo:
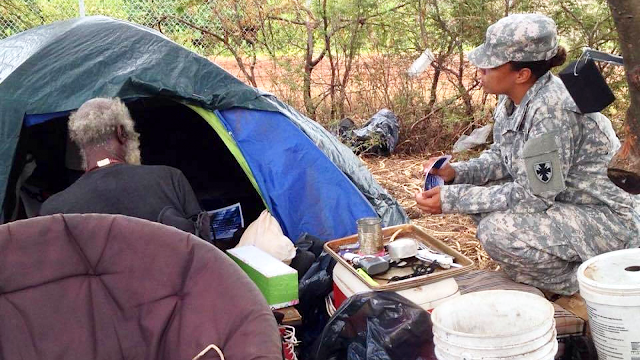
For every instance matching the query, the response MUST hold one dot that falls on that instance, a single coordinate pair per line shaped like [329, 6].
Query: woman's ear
[524, 75]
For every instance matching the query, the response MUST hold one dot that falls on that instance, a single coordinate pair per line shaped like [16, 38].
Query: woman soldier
[541, 192]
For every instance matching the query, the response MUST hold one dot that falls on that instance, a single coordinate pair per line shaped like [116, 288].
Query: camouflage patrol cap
[517, 37]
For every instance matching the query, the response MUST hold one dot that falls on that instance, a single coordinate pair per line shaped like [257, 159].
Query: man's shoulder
[53, 204]
[155, 169]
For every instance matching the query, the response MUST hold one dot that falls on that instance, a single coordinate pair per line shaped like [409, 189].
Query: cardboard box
[277, 281]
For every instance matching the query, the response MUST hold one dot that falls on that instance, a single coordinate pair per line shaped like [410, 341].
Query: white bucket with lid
[495, 324]
[610, 286]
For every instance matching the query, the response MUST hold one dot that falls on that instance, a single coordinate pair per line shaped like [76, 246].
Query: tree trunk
[624, 168]
[308, 69]
[464, 92]
[433, 95]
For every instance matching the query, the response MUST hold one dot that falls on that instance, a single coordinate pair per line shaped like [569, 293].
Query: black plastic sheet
[377, 136]
[376, 326]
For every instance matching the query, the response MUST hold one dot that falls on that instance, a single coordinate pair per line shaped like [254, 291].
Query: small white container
[402, 248]
[421, 63]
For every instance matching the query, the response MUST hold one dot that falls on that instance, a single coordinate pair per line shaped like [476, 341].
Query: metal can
[370, 235]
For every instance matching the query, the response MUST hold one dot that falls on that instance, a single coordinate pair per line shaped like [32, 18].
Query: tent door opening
[171, 134]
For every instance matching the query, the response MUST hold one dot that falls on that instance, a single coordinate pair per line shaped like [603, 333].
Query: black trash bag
[345, 127]
[376, 326]
[302, 262]
[379, 136]
[308, 248]
[579, 347]
[313, 288]
[311, 243]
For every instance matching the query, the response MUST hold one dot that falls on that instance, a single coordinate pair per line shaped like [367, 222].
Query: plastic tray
[410, 231]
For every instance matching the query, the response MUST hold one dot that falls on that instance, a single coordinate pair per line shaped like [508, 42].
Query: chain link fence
[184, 21]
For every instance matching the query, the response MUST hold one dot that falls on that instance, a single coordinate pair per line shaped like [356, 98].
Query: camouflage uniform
[541, 191]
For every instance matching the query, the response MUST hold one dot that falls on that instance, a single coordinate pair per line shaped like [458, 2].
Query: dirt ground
[401, 176]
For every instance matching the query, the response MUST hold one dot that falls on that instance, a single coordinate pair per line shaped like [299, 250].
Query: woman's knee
[493, 234]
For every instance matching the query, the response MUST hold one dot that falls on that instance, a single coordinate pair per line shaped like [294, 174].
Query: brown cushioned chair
[114, 287]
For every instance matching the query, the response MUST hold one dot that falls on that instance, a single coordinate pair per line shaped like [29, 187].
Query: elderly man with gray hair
[114, 182]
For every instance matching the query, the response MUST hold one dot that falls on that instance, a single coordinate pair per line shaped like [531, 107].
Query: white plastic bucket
[495, 324]
[426, 296]
[541, 346]
[547, 353]
[610, 286]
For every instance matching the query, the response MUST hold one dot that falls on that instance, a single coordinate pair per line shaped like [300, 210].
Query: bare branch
[285, 20]
[192, 25]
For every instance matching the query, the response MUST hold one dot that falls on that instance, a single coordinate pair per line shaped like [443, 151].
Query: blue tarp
[30, 120]
[302, 188]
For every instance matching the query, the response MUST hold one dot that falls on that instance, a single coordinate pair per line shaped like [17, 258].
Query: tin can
[370, 235]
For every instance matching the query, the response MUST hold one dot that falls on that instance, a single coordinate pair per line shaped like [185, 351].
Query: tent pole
[81, 7]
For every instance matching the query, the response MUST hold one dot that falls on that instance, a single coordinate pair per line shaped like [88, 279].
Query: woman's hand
[447, 172]
[429, 201]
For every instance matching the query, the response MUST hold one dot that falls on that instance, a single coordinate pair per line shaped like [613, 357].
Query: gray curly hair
[95, 123]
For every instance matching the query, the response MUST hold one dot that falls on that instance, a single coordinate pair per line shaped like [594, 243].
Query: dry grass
[401, 175]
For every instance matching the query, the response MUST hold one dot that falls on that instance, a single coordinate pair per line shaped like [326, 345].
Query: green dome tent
[234, 143]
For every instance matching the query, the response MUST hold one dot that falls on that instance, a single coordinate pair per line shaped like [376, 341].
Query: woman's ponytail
[559, 58]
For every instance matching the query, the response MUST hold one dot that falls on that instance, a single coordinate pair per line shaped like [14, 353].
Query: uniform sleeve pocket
[543, 167]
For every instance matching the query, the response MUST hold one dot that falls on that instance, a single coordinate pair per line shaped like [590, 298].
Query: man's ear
[523, 75]
[121, 134]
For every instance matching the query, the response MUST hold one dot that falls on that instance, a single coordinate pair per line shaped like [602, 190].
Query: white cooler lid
[350, 284]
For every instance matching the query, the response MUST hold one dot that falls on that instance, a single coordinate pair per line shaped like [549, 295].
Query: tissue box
[277, 281]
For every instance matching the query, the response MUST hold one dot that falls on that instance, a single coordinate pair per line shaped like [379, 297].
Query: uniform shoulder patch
[543, 166]
[544, 171]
